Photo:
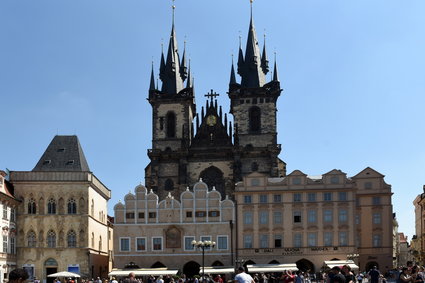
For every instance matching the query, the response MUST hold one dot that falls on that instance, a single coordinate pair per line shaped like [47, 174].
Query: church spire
[232, 74]
[251, 69]
[170, 74]
[152, 84]
[264, 60]
[275, 76]
[183, 67]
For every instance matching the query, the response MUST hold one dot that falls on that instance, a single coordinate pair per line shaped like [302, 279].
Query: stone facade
[154, 233]
[308, 220]
[63, 223]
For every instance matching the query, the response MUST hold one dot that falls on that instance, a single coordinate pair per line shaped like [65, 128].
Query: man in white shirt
[243, 277]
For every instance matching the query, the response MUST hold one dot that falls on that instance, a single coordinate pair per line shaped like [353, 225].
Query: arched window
[169, 185]
[72, 239]
[72, 206]
[51, 206]
[32, 207]
[100, 243]
[213, 177]
[255, 119]
[51, 239]
[171, 125]
[31, 239]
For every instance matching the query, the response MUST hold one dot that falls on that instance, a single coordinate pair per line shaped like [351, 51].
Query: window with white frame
[12, 215]
[4, 211]
[5, 244]
[188, 243]
[247, 217]
[125, 244]
[264, 217]
[328, 239]
[247, 241]
[222, 242]
[264, 241]
[12, 245]
[140, 244]
[342, 215]
[157, 244]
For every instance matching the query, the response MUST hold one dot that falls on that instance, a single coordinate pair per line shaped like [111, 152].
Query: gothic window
[171, 125]
[72, 239]
[213, 177]
[169, 185]
[31, 239]
[32, 207]
[72, 206]
[51, 239]
[255, 119]
[51, 206]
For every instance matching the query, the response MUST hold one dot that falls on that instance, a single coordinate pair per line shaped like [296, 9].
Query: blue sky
[353, 74]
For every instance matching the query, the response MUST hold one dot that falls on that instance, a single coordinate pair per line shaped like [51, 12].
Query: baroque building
[9, 205]
[153, 233]
[187, 145]
[308, 220]
[62, 216]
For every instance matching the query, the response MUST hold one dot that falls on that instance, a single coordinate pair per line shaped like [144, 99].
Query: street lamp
[203, 245]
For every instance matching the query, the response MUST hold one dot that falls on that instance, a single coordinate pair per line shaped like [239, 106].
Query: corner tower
[253, 106]
[173, 109]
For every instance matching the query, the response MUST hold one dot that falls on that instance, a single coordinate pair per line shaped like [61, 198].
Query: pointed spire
[264, 60]
[232, 74]
[183, 67]
[251, 68]
[162, 64]
[152, 84]
[275, 76]
[241, 61]
[172, 81]
[189, 77]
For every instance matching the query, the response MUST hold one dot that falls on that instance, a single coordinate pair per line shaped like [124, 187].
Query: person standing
[337, 276]
[18, 275]
[243, 277]
[374, 275]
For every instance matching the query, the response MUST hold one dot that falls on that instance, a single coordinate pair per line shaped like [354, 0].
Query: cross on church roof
[211, 95]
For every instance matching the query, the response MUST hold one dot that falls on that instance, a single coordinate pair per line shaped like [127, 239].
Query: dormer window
[61, 149]
[70, 162]
[45, 162]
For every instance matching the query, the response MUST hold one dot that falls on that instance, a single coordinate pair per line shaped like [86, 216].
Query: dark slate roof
[64, 153]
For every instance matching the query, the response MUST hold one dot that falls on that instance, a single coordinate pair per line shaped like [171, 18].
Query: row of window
[312, 217]
[311, 197]
[51, 239]
[156, 243]
[51, 206]
[312, 240]
[189, 214]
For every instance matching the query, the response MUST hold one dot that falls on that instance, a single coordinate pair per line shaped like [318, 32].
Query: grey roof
[64, 153]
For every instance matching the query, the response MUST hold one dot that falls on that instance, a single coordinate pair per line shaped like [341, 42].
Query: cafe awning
[340, 263]
[143, 272]
[218, 269]
[254, 268]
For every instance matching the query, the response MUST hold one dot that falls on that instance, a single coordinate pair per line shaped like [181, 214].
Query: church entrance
[51, 266]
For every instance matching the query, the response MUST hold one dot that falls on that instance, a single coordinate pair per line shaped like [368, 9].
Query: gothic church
[187, 145]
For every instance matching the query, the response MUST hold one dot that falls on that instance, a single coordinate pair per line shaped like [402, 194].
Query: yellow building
[311, 219]
[63, 222]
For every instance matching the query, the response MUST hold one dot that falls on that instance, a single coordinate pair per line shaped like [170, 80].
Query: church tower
[173, 108]
[253, 105]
